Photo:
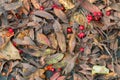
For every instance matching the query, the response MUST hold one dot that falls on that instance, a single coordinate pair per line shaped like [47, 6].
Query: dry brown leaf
[77, 77]
[72, 43]
[26, 4]
[55, 76]
[12, 6]
[104, 57]
[53, 41]
[67, 4]
[90, 7]
[114, 45]
[61, 78]
[38, 73]
[43, 14]
[61, 41]
[35, 4]
[110, 75]
[9, 52]
[115, 6]
[60, 14]
[41, 38]
[92, 1]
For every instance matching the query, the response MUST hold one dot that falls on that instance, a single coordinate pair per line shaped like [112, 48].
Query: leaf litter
[59, 40]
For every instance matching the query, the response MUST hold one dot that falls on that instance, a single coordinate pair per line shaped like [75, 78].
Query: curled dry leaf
[26, 4]
[67, 4]
[53, 41]
[9, 52]
[54, 58]
[60, 14]
[57, 26]
[72, 43]
[61, 41]
[79, 18]
[89, 6]
[12, 6]
[41, 38]
[35, 4]
[43, 14]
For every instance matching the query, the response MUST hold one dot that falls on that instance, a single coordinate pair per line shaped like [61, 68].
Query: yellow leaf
[9, 52]
[67, 4]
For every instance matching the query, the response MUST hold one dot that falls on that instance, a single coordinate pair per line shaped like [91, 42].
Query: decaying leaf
[70, 65]
[53, 41]
[72, 43]
[55, 76]
[77, 77]
[60, 14]
[35, 4]
[54, 58]
[41, 38]
[61, 41]
[90, 7]
[99, 70]
[43, 14]
[37, 73]
[111, 75]
[13, 6]
[79, 18]
[67, 4]
[9, 52]
[115, 6]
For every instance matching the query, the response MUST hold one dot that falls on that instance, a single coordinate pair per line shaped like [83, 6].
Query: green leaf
[54, 58]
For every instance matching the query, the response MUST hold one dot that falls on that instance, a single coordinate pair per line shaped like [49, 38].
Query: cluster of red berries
[80, 35]
[96, 16]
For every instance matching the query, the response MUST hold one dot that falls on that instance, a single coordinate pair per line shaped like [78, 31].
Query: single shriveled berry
[12, 78]
[81, 35]
[10, 30]
[108, 13]
[81, 27]
[53, 69]
[69, 30]
[41, 8]
[81, 49]
[14, 44]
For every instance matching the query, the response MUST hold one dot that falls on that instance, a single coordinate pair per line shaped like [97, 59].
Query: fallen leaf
[72, 43]
[61, 41]
[55, 76]
[35, 4]
[77, 77]
[99, 70]
[110, 75]
[54, 58]
[12, 6]
[79, 18]
[9, 52]
[67, 4]
[43, 14]
[60, 14]
[53, 41]
[89, 6]
[41, 38]
[115, 6]
[61, 78]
